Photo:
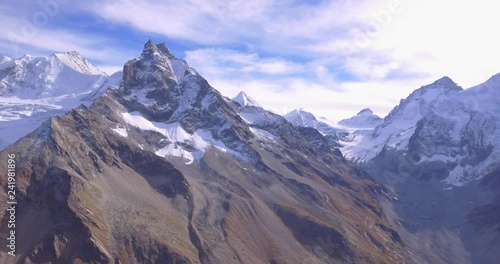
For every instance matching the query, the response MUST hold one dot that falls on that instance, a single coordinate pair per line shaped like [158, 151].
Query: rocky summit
[161, 168]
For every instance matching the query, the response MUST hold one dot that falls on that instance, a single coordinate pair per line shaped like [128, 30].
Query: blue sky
[330, 57]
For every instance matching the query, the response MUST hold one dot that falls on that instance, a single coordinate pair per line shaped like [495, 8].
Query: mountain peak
[444, 83]
[300, 117]
[150, 49]
[77, 62]
[244, 100]
[149, 45]
[364, 119]
[365, 111]
[157, 66]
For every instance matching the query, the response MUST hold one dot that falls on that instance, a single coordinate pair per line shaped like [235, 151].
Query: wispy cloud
[32, 32]
[239, 63]
[310, 84]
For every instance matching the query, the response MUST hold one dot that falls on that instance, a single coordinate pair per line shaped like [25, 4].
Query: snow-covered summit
[364, 119]
[441, 124]
[60, 74]
[420, 102]
[77, 62]
[156, 63]
[300, 117]
[244, 100]
[365, 111]
[156, 50]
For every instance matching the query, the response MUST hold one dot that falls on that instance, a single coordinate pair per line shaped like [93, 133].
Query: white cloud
[319, 92]
[282, 96]
[209, 61]
[25, 35]
[454, 38]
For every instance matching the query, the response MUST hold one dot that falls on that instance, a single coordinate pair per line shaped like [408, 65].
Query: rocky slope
[163, 169]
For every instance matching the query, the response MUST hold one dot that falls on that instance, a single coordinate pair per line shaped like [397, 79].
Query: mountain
[442, 123]
[162, 168]
[32, 89]
[244, 100]
[301, 118]
[398, 126]
[439, 150]
[332, 132]
[364, 119]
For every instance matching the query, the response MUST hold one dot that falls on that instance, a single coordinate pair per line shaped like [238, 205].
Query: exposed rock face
[163, 169]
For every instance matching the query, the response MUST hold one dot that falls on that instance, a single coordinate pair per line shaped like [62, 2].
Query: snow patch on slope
[122, 131]
[263, 134]
[200, 140]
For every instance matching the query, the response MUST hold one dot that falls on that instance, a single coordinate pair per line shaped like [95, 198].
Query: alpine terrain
[156, 166]
[439, 151]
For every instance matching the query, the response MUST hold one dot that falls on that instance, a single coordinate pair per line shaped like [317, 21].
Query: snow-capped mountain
[398, 126]
[32, 89]
[244, 100]
[332, 132]
[439, 123]
[364, 119]
[56, 75]
[462, 133]
[162, 168]
[303, 118]
[439, 149]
